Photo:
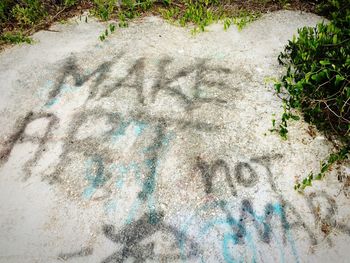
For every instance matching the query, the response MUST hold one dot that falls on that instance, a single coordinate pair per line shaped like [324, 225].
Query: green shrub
[318, 79]
[28, 12]
[104, 8]
[14, 38]
[198, 14]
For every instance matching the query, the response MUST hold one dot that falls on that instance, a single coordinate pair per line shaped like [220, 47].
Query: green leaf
[318, 176]
[111, 28]
[338, 79]
[324, 62]
[278, 87]
[324, 167]
[295, 117]
[307, 76]
[335, 39]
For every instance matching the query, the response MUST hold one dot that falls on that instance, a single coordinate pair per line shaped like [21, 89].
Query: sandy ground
[153, 146]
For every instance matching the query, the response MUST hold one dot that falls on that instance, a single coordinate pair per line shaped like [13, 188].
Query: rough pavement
[153, 146]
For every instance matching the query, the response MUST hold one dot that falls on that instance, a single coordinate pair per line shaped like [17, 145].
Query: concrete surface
[153, 146]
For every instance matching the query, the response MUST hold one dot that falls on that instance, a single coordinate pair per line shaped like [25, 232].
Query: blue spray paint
[233, 238]
[43, 91]
[65, 88]
[150, 164]
[51, 102]
[119, 132]
[97, 179]
[139, 127]
[146, 195]
[230, 237]
[110, 207]
[278, 208]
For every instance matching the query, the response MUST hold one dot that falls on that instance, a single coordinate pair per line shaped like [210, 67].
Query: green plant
[199, 14]
[31, 15]
[325, 167]
[108, 31]
[244, 18]
[104, 8]
[317, 80]
[227, 23]
[167, 2]
[128, 10]
[170, 13]
[15, 38]
[28, 12]
[286, 116]
[69, 3]
[122, 20]
[144, 4]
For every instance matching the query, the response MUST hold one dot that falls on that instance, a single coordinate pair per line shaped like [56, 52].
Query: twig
[341, 117]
